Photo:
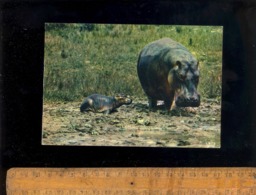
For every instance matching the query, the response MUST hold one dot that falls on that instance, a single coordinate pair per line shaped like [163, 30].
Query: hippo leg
[169, 103]
[107, 111]
[173, 106]
[152, 103]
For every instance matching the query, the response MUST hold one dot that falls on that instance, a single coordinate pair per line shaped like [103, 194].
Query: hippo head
[186, 81]
[123, 99]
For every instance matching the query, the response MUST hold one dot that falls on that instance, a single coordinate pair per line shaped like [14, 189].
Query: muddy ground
[132, 125]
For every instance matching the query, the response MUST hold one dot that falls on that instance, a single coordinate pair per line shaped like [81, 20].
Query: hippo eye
[182, 77]
[178, 63]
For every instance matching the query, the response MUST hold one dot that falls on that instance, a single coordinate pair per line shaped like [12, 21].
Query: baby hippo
[105, 104]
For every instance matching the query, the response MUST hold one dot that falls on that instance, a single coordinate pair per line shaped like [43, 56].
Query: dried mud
[132, 126]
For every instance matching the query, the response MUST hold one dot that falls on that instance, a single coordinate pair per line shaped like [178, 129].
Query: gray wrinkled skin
[105, 104]
[169, 72]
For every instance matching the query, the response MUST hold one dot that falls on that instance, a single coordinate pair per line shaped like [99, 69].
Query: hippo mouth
[187, 101]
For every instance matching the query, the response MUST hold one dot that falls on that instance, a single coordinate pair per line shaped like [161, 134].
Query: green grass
[81, 59]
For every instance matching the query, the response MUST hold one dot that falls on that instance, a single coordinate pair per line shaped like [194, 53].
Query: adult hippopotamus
[106, 104]
[168, 71]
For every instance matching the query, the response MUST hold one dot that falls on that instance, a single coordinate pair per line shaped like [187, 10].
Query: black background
[21, 57]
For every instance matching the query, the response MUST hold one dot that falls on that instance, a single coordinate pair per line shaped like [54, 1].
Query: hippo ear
[178, 63]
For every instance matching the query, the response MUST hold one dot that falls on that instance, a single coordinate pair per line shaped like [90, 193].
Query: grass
[81, 59]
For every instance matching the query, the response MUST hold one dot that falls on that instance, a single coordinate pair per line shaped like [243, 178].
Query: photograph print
[132, 85]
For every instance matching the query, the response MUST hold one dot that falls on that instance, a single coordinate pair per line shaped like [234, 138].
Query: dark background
[21, 58]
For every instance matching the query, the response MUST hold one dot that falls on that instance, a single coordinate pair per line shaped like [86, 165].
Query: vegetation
[81, 59]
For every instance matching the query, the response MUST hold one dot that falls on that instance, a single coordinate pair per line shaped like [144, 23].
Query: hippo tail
[84, 106]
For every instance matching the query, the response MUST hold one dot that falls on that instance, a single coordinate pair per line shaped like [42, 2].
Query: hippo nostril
[192, 99]
[180, 99]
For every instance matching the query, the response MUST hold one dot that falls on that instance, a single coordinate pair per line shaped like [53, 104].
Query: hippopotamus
[105, 104]
[169, 72]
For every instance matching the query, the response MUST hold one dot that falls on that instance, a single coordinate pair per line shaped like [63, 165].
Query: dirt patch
[132, 125]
